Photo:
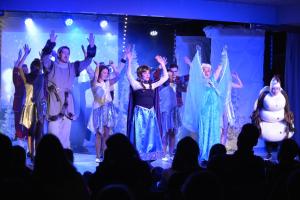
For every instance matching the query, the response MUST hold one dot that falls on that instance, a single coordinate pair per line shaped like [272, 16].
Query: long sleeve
[82, 65]
[46, 52]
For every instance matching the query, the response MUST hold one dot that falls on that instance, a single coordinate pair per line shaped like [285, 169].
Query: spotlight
[28, 22]
[68, 22]
[103, 24]
[153, 33]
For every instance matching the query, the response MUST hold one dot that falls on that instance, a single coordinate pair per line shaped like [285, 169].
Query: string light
[124, 33]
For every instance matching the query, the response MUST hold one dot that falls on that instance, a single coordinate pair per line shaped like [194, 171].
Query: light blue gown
[204, 104]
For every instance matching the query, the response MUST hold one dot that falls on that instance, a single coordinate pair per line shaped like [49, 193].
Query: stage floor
[86, 161]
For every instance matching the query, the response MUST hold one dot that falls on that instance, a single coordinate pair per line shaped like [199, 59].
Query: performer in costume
[19, 98]
[170, 101]
[205, 100]
[228, 118]
[143, 122]
[34, 112]
[103, 117]
[60, 76]
[272, 115]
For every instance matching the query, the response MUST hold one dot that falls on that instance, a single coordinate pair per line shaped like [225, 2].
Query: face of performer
[173, 73]
[206, 71]
[275, 90]
[146, 75]
[103, 75]
[64, 55]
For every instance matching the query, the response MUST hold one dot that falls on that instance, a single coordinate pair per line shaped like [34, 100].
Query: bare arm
[165, 76]
[239, 83]
[117, 73]
[187, 61]
[26, 53]
[134, 84]
[96, 74]
[19, 58]
[218, 72]
[121, 66]
[16, 70]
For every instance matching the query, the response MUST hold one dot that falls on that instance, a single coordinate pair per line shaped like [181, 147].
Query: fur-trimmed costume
[60, 77]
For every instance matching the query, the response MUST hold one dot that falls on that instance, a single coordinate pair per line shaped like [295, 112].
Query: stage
[86, 161]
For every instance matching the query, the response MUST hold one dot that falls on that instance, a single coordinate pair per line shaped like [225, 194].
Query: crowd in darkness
[123, 175]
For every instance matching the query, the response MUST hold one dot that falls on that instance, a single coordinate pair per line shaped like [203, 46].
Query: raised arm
[96, 73]
[89, 55]
[16, 70]
[89, 69]
[238, 83]
[47, 51]
[165, 75]
[187, 61]
[26, 53]
[218, 72]
[157, 72]
[134, 84]
[116, 71]
[122, 62]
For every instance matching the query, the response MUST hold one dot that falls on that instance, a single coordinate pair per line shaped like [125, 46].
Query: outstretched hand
[91, 40]
[53, 36]
[161, 60]
[235, 75]
[26, 49]
[187, 60]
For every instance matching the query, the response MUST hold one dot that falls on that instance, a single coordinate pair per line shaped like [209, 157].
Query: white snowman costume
[271, 108]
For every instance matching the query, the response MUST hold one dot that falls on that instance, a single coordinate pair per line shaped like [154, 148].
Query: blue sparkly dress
[204, 104]
[144, 127]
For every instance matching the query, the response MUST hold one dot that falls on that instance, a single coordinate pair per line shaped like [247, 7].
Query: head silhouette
[186, 156]
[217, 150]
[119, 148]
[50, 159]
[288, 150]
[248, 137]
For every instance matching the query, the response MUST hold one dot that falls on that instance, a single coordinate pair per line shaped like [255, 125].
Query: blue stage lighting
[103, 24]
[68, 22]
[28, 22]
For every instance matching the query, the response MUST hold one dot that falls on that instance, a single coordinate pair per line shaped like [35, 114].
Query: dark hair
[173, 65]
[35, 64]
[61, 48]
[101, 68]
